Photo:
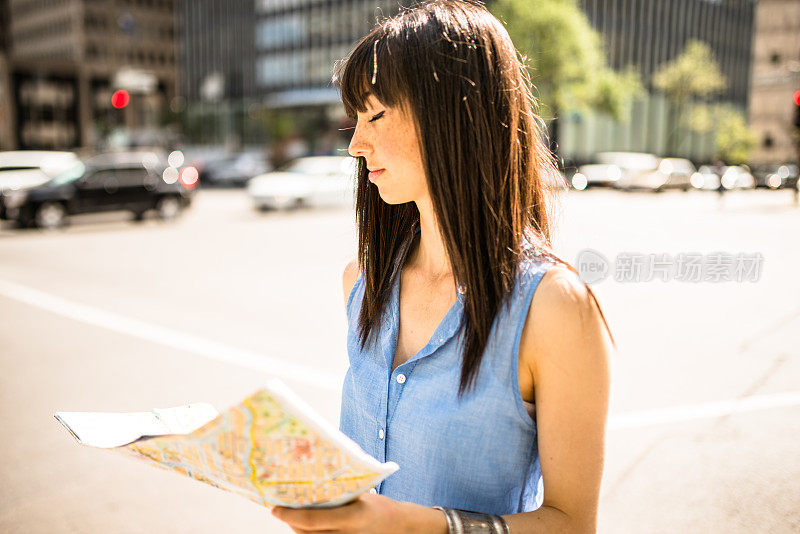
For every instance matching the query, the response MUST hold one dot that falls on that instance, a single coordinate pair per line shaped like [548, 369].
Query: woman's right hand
[369, 514]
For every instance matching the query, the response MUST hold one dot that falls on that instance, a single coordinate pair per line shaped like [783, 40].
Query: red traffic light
[120, 98]
[797, 98]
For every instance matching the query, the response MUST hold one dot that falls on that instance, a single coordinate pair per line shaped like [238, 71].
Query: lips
[375, 174]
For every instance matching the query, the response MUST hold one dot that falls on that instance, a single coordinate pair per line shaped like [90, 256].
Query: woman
[490, 397]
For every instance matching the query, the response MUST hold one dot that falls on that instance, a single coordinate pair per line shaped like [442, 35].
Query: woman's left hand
[366, 515]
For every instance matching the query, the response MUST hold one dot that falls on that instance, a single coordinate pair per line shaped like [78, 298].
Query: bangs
[371, 69]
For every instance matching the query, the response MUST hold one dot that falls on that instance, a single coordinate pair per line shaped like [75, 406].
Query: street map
[272, 449]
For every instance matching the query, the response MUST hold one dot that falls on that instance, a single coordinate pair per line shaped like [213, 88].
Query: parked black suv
[135, 182]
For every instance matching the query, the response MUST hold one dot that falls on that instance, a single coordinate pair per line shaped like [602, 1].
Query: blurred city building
[63, 61]
[257, 72]
[260, 71]
[645, 34]
[217, 69]
[244, 65]
[776, 76]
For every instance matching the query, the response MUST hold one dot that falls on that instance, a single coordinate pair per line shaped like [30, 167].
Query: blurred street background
[176, 212]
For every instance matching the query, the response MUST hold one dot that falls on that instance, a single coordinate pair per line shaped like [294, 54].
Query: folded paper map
[272, 448]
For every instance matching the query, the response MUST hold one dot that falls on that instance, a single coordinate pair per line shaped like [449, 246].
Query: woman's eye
[377, 116]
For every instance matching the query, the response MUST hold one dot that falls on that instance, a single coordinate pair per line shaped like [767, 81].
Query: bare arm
[567, 349]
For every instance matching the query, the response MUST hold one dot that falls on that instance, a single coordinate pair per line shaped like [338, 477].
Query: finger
[318, 519]
[298, 530]
[302, 520]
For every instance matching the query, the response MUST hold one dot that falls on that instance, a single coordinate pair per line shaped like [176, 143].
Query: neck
[430, 257]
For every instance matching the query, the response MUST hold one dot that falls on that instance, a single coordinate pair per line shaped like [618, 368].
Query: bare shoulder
[349, 278]
[562, 289]
[563, 322]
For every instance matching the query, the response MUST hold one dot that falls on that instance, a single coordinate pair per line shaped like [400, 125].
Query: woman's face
[387, 138]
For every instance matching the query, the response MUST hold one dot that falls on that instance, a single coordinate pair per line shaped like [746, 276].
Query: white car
[23, 169]
[737, 177]
[314, 180]
[705, 178]
[630, 164]
[666, 173]
[595, 174]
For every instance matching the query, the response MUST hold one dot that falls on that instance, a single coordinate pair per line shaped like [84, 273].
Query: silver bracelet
[465, 522]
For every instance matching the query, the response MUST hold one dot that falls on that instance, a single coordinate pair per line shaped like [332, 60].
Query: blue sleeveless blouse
[479, 453]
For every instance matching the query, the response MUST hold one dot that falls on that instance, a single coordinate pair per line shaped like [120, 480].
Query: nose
[359, 145]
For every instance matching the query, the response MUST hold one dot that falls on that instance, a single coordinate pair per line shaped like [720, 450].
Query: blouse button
[401, 379]
[380, 433]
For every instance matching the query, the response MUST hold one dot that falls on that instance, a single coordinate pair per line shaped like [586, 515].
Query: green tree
[734, 140]
[693, 75]
[566, 60]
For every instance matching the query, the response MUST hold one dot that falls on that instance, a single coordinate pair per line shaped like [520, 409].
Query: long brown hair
[489, 171]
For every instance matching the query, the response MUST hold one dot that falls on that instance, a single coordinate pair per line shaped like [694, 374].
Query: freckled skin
[391, 143]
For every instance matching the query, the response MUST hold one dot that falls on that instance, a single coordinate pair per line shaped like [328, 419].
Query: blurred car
[233, 169]
[595, 175]
[630, 164]
[737, 177]
[761, 171]
[314, 180]
[705, 178]
[20, 169]
[776, 176]
[668, 173]
[135, 182]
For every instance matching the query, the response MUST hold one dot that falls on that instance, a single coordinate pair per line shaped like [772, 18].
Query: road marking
[677, 414]
[327, 381]
[212, 350]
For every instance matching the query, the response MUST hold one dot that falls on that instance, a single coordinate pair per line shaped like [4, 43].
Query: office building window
[281, 32]
[265, 6]
[281, 69]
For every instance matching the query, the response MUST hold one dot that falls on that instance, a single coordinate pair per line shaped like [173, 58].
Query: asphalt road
[112, 315]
